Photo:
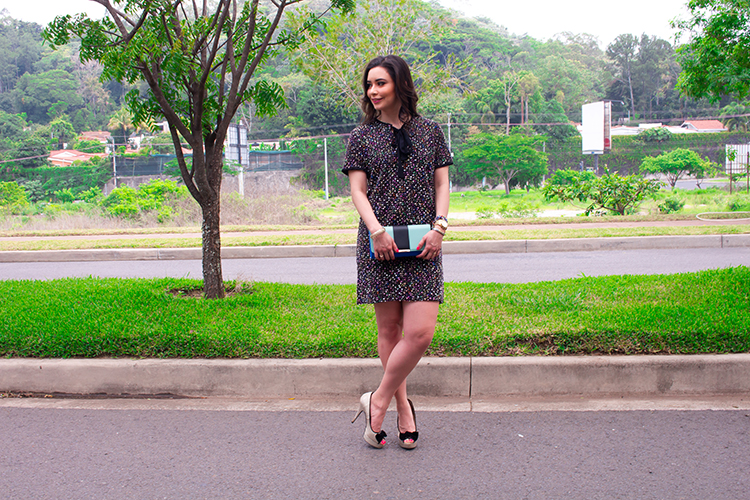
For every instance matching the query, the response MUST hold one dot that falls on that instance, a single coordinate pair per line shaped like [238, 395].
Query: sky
[541, 19]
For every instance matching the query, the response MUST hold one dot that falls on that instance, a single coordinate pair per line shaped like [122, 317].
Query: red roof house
[704, 126]
[66, 157]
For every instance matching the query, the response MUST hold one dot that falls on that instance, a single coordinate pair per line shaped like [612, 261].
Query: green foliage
[87, 146]
[131, 203]
[62, 130]
[640, 67]
[334, 55]
[505, 157]
[675, 164]
[65, 196]
[654, 134]
[569, 177]
[628, 154]
[715, 60]
[92, 195]
[731, 116]
[42, 182]
[671, 205]
[35, 94]
[739, 203]
[12, 197]
[610, 192]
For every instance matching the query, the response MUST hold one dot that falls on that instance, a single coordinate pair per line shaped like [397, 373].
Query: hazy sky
[539, 18]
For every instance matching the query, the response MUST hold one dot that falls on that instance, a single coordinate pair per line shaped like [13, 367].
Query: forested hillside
[474, 70]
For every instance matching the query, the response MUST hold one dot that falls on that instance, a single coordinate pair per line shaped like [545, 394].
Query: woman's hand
[431, 244]
[384, 247]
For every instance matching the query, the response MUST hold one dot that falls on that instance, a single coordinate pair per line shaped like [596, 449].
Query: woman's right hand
[384, 247]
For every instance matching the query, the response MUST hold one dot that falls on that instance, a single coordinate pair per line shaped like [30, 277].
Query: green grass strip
[704, 312]
[554, 232]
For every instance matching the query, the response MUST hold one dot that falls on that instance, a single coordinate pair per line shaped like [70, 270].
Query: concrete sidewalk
[449, 247]
[463, 377]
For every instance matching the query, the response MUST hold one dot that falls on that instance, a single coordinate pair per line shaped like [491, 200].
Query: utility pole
[325, 157]
[114, 161]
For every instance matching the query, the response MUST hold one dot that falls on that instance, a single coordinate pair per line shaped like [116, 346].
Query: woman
[397, 163]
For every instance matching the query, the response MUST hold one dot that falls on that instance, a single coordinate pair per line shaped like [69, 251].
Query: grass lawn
[704, 312]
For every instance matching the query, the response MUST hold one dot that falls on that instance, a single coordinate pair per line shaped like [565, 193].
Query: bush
[130, 203]
[92, 195]
[671, 205]
[12, 197]
[65, 196]
[568, 177]
[610, 192]
[656, 134]
[739, 203]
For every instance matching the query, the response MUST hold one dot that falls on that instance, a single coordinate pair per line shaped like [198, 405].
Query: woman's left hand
[431, 244]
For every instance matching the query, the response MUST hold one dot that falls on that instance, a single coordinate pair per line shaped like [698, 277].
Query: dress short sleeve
[356, 154]
[443, 156]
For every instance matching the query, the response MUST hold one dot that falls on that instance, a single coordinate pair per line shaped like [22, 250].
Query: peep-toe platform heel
[376, 440]
[403, 436]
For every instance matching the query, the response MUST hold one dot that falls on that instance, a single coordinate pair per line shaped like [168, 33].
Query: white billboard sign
[596, 125]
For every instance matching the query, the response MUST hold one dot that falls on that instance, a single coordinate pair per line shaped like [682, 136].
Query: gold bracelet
[379, 231]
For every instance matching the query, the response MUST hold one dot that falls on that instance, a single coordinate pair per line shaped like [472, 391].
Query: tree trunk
[213, 281]
[506, 183]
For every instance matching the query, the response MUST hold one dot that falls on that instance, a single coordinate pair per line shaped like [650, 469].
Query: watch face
[441, 223]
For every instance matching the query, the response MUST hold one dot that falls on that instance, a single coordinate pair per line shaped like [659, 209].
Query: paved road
[123, 454]
[502, 268]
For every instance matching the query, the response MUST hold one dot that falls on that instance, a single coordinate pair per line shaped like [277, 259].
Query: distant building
[66, 157]
[95, 135]
[704, 126]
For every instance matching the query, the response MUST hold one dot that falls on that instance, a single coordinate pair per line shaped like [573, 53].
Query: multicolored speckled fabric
[372, 148]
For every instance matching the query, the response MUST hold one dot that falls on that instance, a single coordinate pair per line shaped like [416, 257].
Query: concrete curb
[449, 247]
[587, 376]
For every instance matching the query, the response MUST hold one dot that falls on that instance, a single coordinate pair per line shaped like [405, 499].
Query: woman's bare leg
[400, 353]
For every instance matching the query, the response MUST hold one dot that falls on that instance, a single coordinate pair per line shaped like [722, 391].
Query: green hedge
[628, 152]
[43, 182]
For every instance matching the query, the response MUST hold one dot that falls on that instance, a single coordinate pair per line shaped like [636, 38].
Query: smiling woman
[396, 162]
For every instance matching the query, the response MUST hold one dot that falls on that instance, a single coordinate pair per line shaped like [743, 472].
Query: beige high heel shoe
[371, 438]
[403, 436]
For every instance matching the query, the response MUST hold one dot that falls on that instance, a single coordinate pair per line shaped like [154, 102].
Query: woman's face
[382, 91]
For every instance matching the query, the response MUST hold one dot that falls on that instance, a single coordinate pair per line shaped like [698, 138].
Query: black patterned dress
[398, 200]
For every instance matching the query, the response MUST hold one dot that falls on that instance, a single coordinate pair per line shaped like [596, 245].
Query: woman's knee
[420, 338]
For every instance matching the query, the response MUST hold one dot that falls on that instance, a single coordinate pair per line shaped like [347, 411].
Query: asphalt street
[124, 454]
[483, 268]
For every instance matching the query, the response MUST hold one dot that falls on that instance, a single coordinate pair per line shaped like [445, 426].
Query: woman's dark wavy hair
[400, 73]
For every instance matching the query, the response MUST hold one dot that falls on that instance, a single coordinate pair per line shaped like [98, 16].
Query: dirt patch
[231, 290]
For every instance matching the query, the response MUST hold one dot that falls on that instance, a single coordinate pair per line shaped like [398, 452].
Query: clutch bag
[406, 237]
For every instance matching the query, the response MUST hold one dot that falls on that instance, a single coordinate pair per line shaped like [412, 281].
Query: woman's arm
[442, 191]
[433, 241]
[382, 244]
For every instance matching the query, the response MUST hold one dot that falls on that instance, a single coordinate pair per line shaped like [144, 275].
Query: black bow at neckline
[404, 147]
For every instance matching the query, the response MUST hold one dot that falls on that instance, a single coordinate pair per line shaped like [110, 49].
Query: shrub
[12, 197]
[656, 134]
[92, 195]
[671, 205]
[130, 203]
[739, 203]
[609, 192]
[65, 195]
[568, 177]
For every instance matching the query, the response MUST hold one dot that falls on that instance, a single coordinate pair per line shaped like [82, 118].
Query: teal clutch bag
[406, 238]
